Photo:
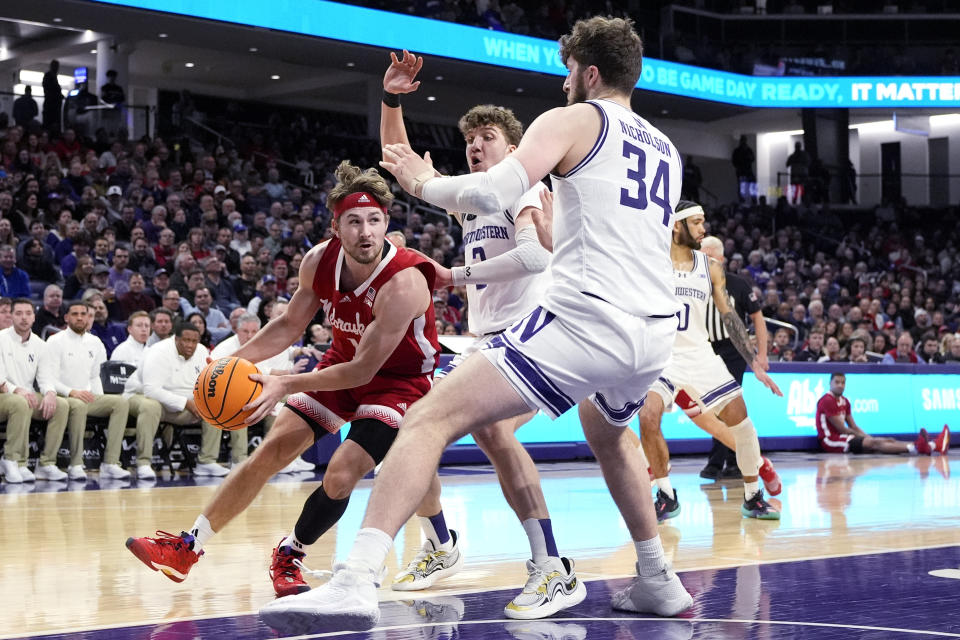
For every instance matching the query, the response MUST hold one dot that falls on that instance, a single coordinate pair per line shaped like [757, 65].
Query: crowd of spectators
[137, 227]
[879, 285]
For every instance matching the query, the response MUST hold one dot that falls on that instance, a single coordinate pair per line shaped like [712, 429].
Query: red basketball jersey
[351, 312]
[830, 405]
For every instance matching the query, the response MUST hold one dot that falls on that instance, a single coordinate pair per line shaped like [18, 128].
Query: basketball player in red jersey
[384, 351]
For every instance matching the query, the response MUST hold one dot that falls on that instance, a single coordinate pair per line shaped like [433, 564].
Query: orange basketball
[223, 389]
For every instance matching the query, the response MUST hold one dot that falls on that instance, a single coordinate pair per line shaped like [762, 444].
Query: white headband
[686, 213]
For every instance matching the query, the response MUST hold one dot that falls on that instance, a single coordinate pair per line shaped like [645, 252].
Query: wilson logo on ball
[218, 370]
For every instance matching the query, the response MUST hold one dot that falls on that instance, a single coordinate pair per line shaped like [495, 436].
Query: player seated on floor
[837, 431]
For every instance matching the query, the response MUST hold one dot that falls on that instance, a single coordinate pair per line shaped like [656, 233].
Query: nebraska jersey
[351, 312]
[495, 307]
[693, 289]
[612, 223]
[831, 405]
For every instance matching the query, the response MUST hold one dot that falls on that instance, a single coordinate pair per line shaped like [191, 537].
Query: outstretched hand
[399, 77]
[407, 167]
[767, 381]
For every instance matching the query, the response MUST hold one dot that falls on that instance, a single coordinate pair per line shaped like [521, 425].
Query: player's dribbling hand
[400, 74]
[406, 166]
[767, 382]
[271, 393]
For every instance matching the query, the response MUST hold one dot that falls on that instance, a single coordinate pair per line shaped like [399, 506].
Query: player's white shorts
[592, 349]
[458, 359]
[704, 377]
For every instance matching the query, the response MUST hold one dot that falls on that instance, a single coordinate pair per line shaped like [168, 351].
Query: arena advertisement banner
[883, 403]
[434, 38]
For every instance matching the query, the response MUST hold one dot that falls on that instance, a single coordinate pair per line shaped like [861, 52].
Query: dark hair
[6, 302]
[685, 204]
[158, 311]
[609, 44]
[484, 115]
[16, 301]
[837, 374]
[184, 325]
[79, 303]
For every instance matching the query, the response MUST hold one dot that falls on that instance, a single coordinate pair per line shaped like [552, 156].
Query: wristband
[392, 100]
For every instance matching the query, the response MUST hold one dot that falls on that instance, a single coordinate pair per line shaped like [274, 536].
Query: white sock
[538, 544]
[370, 549]
[292, 542]
[201, 531]
[750, 489]
[650, 558]
[664, 485]
[911, 448]
[749, 457]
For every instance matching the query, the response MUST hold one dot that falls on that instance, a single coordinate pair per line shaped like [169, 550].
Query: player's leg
[551, 584]
[366, 444]
[656, 589]
[439, 556]
[176, 554]
[667, 504]
[886, 445]
[749, 459]
[709, 422]
[458, 406]
[117, 409]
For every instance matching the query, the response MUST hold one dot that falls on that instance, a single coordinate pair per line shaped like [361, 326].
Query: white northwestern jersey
[612, 224]
[694, 289]
[494, 307]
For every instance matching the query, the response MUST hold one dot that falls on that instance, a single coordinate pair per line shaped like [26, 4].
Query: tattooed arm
[735, 327]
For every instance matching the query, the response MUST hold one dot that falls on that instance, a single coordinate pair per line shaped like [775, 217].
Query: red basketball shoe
[942, 444]
[922, 443]
[286, 575]
[170, 554]
[771, 479]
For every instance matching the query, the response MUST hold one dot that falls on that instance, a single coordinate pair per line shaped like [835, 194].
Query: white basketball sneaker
[347, 602]
[430, 565]
[662, 594]
[552, 585]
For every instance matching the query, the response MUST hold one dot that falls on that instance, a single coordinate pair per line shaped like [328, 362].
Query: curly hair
[353, 179]
[484, 115]
[609, 44]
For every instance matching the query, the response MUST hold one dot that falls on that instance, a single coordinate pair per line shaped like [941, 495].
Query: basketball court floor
[868, 547]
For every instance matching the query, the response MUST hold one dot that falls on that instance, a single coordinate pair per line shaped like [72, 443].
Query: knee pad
[748, 447]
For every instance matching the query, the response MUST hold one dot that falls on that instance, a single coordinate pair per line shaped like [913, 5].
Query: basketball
[223, 389]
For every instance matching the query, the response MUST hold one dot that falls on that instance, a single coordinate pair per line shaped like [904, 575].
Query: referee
[744, 302]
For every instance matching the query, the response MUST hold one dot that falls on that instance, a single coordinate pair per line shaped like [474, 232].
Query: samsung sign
[431, 37]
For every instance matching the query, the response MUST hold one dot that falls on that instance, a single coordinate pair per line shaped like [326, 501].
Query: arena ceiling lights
[381, 29]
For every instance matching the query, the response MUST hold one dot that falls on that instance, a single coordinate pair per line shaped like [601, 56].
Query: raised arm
[398, 79]
[405, 297]
[555, 140]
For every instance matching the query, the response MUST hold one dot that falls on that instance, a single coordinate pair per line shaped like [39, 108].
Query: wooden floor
[64, 567]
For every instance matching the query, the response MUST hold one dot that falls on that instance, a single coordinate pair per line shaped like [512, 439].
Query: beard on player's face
[578, 88]
[683, 236]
